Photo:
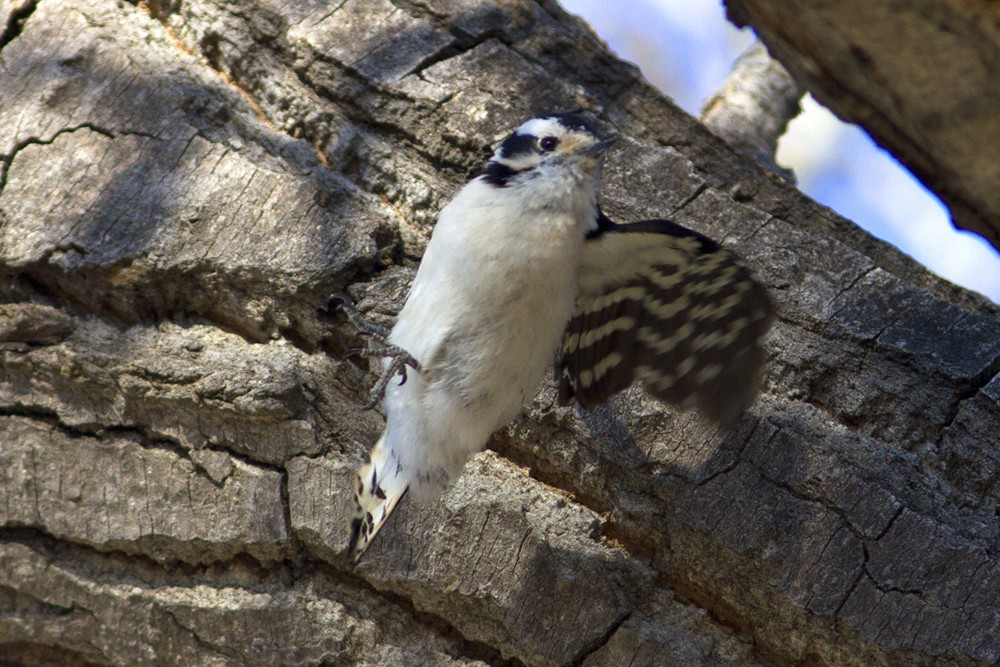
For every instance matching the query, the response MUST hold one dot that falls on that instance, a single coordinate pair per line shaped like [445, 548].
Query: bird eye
[548, 144]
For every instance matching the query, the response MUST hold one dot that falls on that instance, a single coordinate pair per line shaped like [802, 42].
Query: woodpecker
[523, 267]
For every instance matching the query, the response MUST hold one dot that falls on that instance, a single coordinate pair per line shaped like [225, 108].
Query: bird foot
[377, 345]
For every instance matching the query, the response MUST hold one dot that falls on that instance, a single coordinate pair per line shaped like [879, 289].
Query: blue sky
[686, 48]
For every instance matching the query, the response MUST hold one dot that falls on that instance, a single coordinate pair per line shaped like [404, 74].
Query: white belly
[484, 318]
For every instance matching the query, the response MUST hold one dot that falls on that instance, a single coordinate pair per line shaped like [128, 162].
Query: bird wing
[667, 306]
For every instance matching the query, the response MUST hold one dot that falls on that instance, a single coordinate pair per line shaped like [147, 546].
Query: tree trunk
[183, 185]
[921, 76]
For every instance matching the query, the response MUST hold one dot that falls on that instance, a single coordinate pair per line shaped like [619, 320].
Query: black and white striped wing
[669, 307]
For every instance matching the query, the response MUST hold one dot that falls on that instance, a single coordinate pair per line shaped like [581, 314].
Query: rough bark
[922, 77]
[753, 107]
[181, 188]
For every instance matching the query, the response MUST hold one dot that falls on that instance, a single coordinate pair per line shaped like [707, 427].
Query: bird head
[548, 155]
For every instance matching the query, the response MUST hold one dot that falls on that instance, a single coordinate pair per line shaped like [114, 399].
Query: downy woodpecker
[523, 266]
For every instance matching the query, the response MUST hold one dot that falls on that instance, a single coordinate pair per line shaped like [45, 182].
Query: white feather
[484, 317]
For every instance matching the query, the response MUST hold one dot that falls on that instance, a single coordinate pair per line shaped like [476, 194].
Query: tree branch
[754, 106]
[921, 78]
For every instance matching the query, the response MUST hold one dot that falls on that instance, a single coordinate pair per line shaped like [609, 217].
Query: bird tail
[378, 487]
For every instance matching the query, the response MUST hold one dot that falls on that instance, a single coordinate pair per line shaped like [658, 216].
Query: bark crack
[861, 276]
[885, 588]
[601, 641]
[332, 11]
[698, 191]
[152, 575]
[203, 643]
[467, 648]
[738, 455]
[970, 392]
[746, 240]
[132, 433]
[6, 160]
[888, 526]
[854, 584]
[802, 494]
[16, 21]
[463, 43]
[40, 538]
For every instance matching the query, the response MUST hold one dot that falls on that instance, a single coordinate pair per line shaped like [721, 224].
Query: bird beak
[591, 157]
[599, 148]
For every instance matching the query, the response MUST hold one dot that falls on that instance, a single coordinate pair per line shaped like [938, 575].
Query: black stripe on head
[574, 122]
[517, 145]
[498, 174]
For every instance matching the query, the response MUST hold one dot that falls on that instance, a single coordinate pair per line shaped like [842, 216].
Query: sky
[686, 48]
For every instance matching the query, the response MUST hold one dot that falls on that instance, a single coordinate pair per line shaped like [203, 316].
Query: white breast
[490, 302]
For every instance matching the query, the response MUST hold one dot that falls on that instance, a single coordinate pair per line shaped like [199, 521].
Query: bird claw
[400, 360]
[365, 328]
[376, 345]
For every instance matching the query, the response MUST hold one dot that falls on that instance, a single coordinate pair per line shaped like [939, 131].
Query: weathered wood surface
[922, 77]
[181, 189]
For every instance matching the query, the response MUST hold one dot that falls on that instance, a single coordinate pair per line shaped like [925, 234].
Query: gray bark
[754, 106]
[180, 191]
[922, 77]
